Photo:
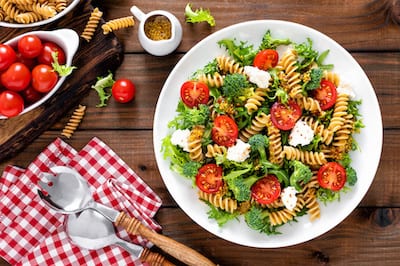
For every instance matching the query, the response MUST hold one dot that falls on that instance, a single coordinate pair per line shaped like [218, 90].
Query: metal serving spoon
[91, 230]
[68, 192]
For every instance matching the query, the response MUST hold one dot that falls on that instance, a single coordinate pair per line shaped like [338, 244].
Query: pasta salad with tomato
[265, 132]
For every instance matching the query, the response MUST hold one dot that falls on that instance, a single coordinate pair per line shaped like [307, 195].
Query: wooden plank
[103, 53]
[361, 238]
[369, 29]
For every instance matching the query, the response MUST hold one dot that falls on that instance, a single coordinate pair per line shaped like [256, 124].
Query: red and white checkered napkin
[33, 234]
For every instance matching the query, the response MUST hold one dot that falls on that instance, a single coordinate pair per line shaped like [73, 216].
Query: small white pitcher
[158, 47]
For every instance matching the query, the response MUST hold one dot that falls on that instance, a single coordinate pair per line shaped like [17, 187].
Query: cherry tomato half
[17, 77]
[266, 190]
[224, 131]
[285, 116]
[44, 78]
[46, 57]
[11, 103]
[194, 93]
[266, 59]
[209, 178]
[332, 176]
[7, 56]
[326, 94]
[30, 46]
[123, 90]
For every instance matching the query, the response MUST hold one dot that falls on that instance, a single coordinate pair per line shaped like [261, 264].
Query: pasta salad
[265, 132]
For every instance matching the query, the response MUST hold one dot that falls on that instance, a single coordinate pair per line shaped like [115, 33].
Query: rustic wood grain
[370, 235]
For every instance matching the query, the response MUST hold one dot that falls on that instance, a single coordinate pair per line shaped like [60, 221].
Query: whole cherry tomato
[31, 95]
[30, 46]
[44, 78]
[11, 103]
[17, 77]
[7, 56]
[46, 57]
[123, 90]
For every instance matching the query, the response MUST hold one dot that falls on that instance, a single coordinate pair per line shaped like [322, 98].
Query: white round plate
[365, 161]
[41, 22]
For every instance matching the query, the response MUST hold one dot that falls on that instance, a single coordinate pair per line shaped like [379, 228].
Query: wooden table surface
[370, 235]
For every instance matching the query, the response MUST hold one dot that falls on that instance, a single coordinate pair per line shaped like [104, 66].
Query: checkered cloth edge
[33, 234]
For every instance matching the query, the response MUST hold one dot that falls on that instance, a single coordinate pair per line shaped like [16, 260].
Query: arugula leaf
[62, 70]
[198, 15]
[188, 117]
[242, 52]
[101, 85]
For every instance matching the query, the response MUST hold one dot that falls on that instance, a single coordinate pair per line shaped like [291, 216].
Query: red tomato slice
[11, 103]
[326, 94]
[266, 59]
[225, 131]
[209, 178]
[194, 93]
[284, 116]
[332, 176]
[266, 190]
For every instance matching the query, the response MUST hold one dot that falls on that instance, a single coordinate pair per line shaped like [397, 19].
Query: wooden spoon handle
[168, 245]
[154, 259]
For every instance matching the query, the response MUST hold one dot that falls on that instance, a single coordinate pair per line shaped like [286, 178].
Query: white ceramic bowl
[365, 161]
[42, 22]
[67, 39]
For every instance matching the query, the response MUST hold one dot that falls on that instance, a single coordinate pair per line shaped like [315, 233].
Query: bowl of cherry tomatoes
[33, 66]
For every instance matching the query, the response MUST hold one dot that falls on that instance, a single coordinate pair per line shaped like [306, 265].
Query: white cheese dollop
[239, 152]
[301, 134]
[180, 138]
[288, 196]
[346, 88]
[257, 76]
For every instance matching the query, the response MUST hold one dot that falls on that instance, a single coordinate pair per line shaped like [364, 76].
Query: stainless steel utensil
[68, 192]
[91, 230]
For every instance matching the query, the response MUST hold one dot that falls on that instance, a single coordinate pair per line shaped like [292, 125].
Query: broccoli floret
[241, 186]
[236, 86]
[258, 219]
[198, 15]
[259, 143]
[301, 172]
[270, 43]
[190, 169]
[315, 76]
